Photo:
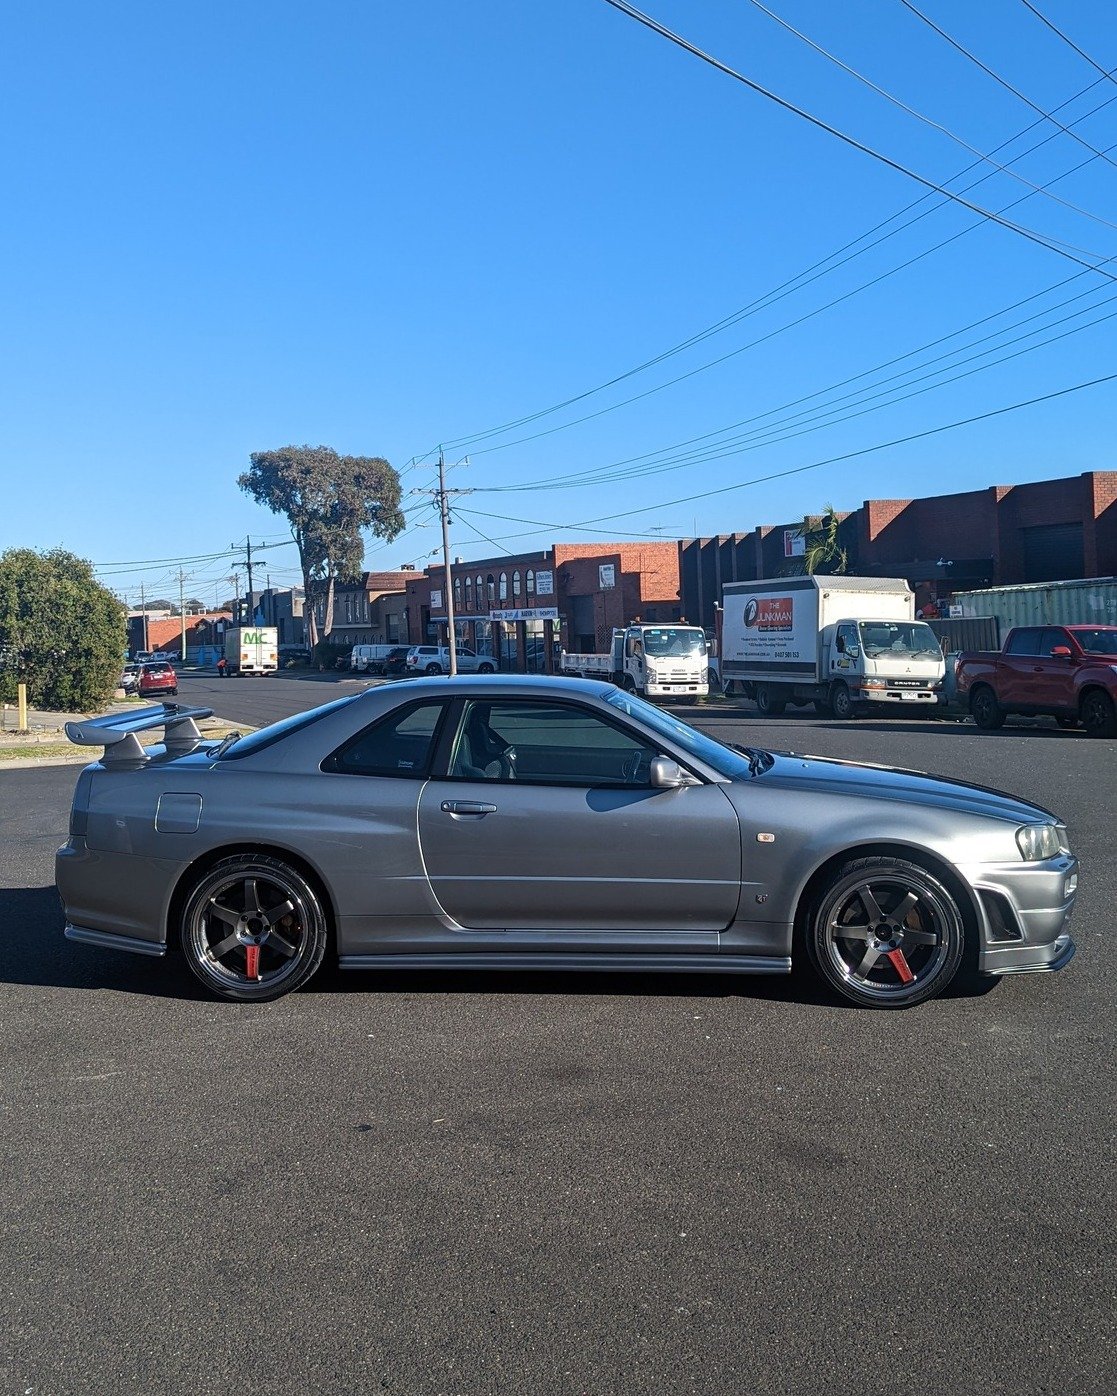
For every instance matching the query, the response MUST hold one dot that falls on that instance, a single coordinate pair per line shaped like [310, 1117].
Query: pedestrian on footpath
[223, 667]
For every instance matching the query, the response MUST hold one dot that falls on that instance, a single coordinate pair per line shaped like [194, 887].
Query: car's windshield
[909, 637]
[673, 640]
[1103, 640]
[727, 762]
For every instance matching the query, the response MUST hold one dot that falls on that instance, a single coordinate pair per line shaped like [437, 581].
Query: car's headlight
[1039, 841]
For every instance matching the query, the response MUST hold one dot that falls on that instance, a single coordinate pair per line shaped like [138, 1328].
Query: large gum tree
[329, 500]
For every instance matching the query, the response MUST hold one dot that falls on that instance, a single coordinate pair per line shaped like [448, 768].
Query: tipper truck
[657, 661]
[251, 649]
[837, 642]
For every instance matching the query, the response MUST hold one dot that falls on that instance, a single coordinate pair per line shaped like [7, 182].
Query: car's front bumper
[1024, 910]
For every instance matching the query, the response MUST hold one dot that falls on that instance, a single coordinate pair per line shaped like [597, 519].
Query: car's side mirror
[666, 774]
[1061, 652]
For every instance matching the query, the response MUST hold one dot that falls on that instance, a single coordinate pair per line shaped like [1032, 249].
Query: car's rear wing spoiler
[117, 732]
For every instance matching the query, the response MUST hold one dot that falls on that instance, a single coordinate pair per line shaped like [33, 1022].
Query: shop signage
[606, 576]
[544, 584]
[794, 544]
[436, 601]
[527, 613]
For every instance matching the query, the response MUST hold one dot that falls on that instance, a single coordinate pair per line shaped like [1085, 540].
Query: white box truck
[658, 661]
[251, 649]
[837, 642]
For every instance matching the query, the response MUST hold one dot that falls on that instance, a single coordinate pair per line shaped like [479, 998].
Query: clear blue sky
[226, 228]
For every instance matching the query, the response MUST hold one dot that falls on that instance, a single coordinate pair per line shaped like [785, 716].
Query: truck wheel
[1098, 715]
[987, 712]
[841, 704]
[768, 705]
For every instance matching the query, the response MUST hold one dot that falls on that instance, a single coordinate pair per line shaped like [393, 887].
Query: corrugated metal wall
[1092, 601]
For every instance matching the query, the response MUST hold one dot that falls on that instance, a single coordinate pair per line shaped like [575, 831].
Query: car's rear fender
[202, 864]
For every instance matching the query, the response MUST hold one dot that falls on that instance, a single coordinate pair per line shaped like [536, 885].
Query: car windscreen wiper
[758, 760]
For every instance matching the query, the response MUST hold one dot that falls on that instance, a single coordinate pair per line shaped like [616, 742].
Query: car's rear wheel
[253, 928]
[1098, 715]
[987, 712]
[885, 933]
[767, 702]
[433, 668]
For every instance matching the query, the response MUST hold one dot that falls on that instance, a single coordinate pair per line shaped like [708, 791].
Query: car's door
[1018, 668]
[545, 821]
[1053, 675]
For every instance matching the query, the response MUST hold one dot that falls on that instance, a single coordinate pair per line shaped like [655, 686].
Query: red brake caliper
[252, 961]
[900, 965]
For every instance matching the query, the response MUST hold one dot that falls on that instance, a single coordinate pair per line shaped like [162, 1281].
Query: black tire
[486, 668]
[234, 907]
[174, 692]
[1098, 714]
[987, 712]
[769, 706]
[712, 681]
[885, 933]
[841, 704]
[433, 668]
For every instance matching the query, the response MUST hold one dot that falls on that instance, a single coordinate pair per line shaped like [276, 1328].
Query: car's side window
[547, 744]
[1024, 642]
[400, 745]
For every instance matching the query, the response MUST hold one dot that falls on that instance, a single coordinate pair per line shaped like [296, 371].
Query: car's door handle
[474, 807]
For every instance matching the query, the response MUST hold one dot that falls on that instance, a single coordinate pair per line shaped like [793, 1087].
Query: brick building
[371, 611]
[520, 607]
[1046, 531]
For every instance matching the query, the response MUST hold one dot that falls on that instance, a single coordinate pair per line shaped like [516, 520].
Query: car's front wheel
[486, 669]
[885, 933]
[253, 928]
[1098, 714]
[987, 712]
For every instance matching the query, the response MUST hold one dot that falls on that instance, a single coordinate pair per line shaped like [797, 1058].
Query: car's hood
[828, 776]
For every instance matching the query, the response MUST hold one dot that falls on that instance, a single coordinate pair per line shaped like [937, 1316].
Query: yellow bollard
[22, 692]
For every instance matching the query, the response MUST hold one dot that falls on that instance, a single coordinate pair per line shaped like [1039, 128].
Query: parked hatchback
[435, 659]
[157, 678]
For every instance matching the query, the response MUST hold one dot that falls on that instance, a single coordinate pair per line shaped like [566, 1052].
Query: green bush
[61, 632]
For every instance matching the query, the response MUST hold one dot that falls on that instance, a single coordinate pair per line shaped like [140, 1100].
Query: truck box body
[1081, 601]
[805, 639]
[252, 649]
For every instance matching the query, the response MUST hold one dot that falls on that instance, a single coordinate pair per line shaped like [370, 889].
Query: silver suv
[435, 659]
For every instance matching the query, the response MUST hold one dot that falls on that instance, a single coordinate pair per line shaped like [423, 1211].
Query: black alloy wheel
[1098, 714]
[253, 928]
[885, 933]
[987, 712]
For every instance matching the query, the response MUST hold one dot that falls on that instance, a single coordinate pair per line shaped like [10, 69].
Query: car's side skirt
[107, 940]
[577, 960]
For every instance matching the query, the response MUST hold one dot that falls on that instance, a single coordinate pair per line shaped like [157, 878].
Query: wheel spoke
[920, 937]
[869, 902]
[224, 946]
[222, 913]
[854, 932]
[277, 913]
[282, 944]
[251, 897]
[904, 910]
[868, 960]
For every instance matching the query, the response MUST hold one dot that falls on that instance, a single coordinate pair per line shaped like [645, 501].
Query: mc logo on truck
[769, 613]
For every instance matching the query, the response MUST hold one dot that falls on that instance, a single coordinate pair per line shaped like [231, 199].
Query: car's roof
[520, 685]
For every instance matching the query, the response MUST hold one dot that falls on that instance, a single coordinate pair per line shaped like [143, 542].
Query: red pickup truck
[1066, 671]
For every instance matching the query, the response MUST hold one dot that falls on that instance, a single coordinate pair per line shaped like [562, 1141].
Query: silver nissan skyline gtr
[527, 823]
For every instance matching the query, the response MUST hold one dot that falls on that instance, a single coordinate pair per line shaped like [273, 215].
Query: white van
[369, 659]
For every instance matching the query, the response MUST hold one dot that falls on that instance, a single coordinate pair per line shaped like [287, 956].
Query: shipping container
[1082, 601]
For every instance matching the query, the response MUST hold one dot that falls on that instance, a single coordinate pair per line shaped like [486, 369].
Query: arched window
[530, 582]
[457, 593]
[469, 593]
[490, 582]
[480, 591]
[504, 586]
[515, 584]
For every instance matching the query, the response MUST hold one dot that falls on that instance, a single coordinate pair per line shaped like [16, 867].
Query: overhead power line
[1021, 96]
[927, 120]
[1068, 250]
[1106, 73]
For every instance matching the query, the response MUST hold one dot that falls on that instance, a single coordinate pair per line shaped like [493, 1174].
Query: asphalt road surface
[525, 1185]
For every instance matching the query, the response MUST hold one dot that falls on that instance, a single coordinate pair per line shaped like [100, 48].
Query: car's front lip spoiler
[107, 940]
[1062, 951]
